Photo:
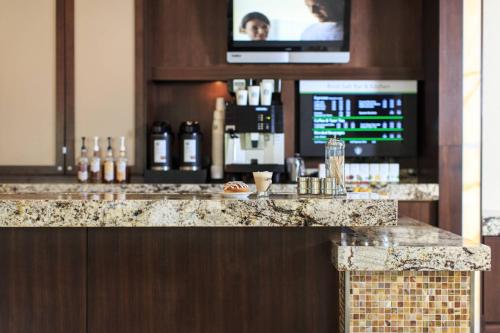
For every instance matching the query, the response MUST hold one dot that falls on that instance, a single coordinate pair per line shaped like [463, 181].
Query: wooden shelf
[284, 71]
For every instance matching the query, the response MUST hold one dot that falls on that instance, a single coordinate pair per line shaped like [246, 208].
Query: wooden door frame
[64, 96]
[142, 75]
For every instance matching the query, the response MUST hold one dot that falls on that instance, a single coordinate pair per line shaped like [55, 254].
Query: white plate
[236, 195]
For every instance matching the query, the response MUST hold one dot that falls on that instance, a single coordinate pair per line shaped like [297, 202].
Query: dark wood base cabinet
[491, 288]
[43, 280]
[425, 211]
[168, 280]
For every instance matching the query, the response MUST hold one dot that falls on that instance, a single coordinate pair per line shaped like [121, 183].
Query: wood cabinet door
[491, 288]
[212, 280]
[42, 280]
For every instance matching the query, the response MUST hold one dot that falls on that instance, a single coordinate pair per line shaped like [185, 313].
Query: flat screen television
[374, 118]
[288, 31]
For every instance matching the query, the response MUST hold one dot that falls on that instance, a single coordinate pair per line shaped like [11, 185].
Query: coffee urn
[160, 143]
[190, 139]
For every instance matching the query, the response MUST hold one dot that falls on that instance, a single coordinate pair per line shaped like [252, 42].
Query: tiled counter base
[408, 278]
[407, 301]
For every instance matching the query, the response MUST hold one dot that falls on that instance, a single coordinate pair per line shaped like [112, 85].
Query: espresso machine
[254, 139]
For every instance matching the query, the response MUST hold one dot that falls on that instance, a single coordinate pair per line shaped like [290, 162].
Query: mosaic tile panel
[406, 302]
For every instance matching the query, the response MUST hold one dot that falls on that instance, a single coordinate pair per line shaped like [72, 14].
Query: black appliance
[190, 139]
[160, 146]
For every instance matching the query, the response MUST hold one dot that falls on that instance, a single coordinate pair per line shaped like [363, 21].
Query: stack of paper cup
[253, 95]
[242, 97]
[266, 91]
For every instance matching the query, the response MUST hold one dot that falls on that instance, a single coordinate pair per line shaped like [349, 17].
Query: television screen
[374, 118]
[289, 26]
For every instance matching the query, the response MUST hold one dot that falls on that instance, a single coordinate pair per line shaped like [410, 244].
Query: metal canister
[303, 185]
[328, 186]
[295, 167]
[315, 185]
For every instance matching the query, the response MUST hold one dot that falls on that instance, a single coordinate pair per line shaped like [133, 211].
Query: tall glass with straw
[335, 161]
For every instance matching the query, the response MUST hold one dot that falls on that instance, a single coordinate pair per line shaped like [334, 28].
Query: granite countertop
[190, 209]
[410, 245]
[491, 225]
[420, 192]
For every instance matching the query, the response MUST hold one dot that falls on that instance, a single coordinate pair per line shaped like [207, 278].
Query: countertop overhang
[191, 209]
[409, 246]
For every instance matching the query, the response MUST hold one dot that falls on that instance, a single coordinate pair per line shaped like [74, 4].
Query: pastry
[236, 187]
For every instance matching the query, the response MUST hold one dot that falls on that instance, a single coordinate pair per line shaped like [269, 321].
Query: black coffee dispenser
[190, 139]
[160, 146]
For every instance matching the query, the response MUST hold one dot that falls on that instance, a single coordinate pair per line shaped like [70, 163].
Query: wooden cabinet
[491, 288]
[211, 280]
[425, 211]
[43, 280]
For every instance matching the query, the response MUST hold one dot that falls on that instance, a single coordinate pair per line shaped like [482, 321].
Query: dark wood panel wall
[43, 275]
[386, 43]
[385, 34]
[212, 280]
[168, 280]
[491, 288]
[424, 211]
[450, 114]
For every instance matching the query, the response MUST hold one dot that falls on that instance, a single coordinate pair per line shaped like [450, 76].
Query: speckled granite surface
[126, 210]
[391, 191]
[491, 226]
[410, 246]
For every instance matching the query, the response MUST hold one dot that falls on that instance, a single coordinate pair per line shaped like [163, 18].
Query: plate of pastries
[236, 189]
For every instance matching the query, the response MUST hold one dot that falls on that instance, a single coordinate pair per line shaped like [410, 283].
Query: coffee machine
[254, 139]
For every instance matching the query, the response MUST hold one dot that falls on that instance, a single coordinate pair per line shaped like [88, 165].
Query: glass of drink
[263, 181]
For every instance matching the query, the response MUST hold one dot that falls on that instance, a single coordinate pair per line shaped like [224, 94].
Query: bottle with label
[190, 146]
[95, 163]
[109, 164]
[121, 162]
[160, 143]
[83, 164]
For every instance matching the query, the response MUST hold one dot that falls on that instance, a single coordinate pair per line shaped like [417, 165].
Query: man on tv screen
[330, 16]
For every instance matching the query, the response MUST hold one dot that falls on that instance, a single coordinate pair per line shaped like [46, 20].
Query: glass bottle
[121, 162]
[335, 162]
[109, 164]
[95, 163]
[83, 164]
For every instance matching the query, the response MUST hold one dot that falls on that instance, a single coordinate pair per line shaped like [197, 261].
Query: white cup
[266, 92]
[242, 97]
[263, 181]
[253, 95]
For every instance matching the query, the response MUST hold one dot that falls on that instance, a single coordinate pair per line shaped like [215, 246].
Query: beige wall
[27, 82]
[104, 70]
[491, 109]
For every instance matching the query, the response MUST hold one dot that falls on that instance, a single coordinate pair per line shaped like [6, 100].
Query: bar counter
[148, 262]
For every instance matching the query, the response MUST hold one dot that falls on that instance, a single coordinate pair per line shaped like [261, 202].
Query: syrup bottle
[109, 164]
[95, 163]
[83, 164]
[121, 163]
